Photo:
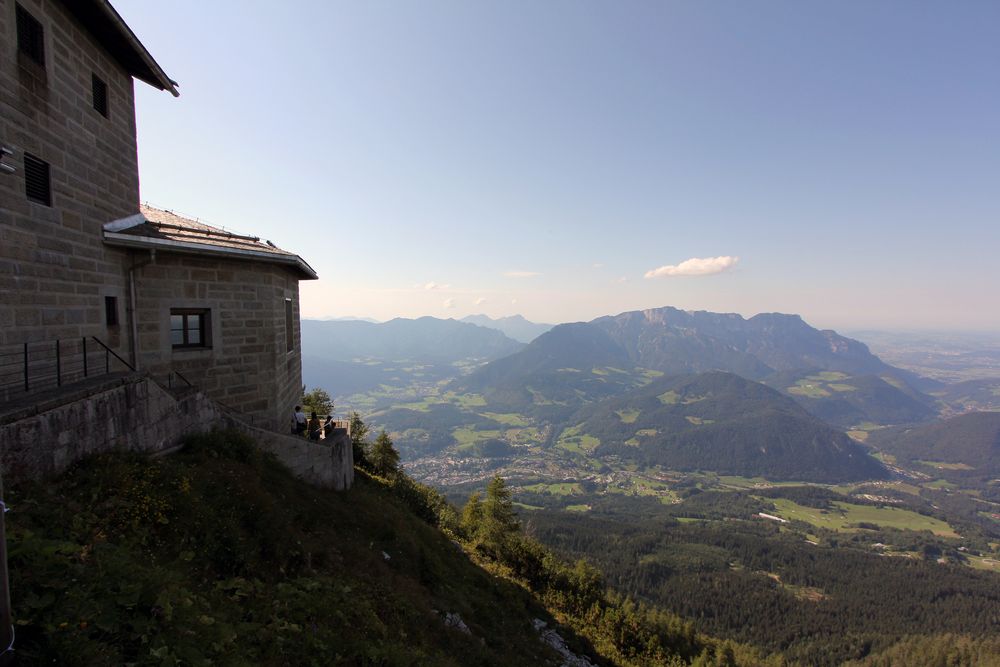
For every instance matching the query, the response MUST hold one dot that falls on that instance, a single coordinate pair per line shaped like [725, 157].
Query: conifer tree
[384, 457]
[499, 520]
[359, 439]
[472, 515]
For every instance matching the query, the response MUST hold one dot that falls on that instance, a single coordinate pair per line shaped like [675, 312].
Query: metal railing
[26, 368]
[177, 374]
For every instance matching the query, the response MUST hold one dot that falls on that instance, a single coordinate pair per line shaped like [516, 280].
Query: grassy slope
[219, 554]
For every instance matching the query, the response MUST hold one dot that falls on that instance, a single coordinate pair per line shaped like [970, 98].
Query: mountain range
[968, 444]
[513, 326]
[423, 339]
[725, 423]
[579, 362]
[773, 390]
[349, 356]
[849, 400]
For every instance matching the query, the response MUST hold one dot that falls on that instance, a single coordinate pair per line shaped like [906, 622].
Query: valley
[681, 477]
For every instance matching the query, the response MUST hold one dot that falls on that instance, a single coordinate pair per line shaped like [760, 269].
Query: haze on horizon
[567, 160]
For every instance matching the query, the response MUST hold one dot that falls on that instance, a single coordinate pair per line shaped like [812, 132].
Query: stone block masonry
[246, 362]
[54, 268]
[134, 413]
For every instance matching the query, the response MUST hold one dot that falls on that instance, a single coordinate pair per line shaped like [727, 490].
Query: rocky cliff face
[678, 341]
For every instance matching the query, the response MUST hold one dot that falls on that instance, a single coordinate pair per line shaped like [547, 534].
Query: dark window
[111, 310]
[37, 185]
[100, 90]
[289, 326]
[30, 36]
[189, 328]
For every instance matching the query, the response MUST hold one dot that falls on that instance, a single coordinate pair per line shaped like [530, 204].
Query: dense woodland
[750, 582]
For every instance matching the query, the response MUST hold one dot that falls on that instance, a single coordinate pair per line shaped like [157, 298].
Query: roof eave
[169, 245]
[97, 15]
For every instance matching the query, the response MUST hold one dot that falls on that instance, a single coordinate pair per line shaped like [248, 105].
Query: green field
[579, 444]
[556, 489]
[983, 563]
[941, 465]
[469, 436]
[698, 420]
[627, 416]
[828, 376]
[809, 389]
[669, 397]
[844, 517]
[507, 418]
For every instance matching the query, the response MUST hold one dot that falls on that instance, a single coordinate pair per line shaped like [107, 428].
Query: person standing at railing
[328, 427]
[299, 427]
[315, 427]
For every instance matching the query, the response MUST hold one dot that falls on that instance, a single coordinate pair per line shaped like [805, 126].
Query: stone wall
[247, 365]
[54, 269]
[134, 413]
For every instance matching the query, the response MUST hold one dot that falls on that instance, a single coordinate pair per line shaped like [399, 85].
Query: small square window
[37, 182]
[111, 311]
[189, 328]
[100, 91]
[30, 36]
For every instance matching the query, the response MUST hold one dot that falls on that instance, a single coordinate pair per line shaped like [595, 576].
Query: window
[189, 328]
[30, 37]
[37, 185]
[100, 90]
[289, 326]
[111, 311]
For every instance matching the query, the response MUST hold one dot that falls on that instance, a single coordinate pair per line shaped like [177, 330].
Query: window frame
[204, 328]
[36, 168]
[111, 311]
[30, 35]
[100, 99]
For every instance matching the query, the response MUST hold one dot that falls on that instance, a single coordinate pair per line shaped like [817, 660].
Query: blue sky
[444, 158]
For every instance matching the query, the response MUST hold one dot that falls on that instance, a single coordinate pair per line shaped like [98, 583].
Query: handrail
[36, 365]
[115, 354]
[186, 381]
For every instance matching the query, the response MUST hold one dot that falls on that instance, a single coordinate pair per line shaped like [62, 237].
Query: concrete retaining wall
[134, 413]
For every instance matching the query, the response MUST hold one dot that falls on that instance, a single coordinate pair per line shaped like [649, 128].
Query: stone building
[217, 309]
[84, 267]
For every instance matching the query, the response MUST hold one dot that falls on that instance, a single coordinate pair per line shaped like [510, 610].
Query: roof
[111, 31]
[154, 228]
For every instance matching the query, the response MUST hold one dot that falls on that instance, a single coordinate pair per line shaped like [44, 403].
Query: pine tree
[499, 520]
[384, 457]
[359, 440]
[472, 516]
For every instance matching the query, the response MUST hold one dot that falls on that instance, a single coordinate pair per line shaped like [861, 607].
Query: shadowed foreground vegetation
[218, 555]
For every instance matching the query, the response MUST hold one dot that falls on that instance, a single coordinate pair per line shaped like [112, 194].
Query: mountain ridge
[424, 338]
[512, 326]
[726, 423]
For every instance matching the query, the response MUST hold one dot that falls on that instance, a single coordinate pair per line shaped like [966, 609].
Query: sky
[568, 159]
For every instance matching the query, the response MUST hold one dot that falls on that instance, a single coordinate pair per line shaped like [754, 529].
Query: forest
[753, 583]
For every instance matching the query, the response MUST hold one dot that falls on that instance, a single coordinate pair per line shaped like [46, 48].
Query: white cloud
[513, 302]
[449, 303]
[621, 280]
[696, 266]
[480, 301]
[433, 285]
[598, 265]
[522, 274]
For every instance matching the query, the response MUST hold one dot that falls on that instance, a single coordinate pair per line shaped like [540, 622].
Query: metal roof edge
[130, 241]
